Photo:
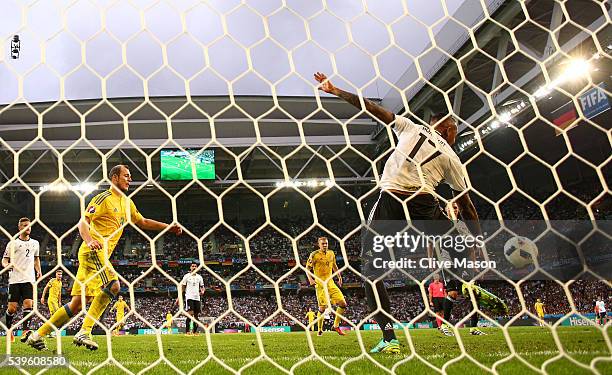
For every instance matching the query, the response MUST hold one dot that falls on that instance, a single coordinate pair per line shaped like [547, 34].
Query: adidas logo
[388, 326]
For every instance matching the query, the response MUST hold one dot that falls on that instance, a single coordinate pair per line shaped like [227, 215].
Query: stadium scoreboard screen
[177, 164]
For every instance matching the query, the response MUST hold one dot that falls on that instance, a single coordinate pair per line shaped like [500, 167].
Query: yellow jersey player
[322, 263]
[310, 315]
[540, 310]
[168, 324]
[120, 307]
[100, 227]
[54, 287]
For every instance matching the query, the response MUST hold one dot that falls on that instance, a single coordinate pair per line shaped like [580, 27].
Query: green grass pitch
[180, 169]
[535, 345]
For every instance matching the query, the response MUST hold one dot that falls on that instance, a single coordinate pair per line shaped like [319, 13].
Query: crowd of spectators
[226, 255]
[227, 239]
[407, 304]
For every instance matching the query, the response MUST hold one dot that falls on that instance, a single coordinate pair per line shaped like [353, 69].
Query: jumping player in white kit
[421, 160]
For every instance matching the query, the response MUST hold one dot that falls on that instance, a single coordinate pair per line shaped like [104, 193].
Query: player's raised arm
[376, 110]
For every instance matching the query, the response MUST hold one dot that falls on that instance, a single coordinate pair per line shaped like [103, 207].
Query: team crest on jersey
[91, 209]
[116, 210]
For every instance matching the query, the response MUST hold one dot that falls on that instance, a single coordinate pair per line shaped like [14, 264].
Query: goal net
[214, 107]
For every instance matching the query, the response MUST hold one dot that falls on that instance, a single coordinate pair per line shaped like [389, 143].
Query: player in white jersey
[422, 159]
[601, 315]
[21, 257]
[192, 287]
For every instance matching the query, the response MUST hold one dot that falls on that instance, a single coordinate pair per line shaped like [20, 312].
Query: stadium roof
[190, 128]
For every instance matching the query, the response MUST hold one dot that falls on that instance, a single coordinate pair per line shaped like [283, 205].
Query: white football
[520, 251]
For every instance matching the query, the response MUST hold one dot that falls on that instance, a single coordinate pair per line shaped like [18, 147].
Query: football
[520, 251]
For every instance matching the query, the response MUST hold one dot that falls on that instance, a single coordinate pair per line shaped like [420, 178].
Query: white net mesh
[267, 164]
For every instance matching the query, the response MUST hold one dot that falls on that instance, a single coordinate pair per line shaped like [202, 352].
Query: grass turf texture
[535, 345]
[175, 168]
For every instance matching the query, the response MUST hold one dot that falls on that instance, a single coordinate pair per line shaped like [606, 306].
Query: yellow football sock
[320, 321]
[98, 305]
[339, 311]
[61, 316]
